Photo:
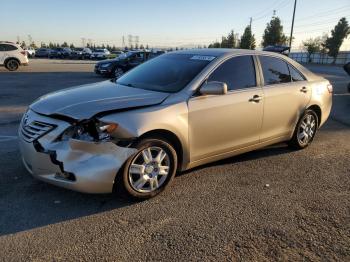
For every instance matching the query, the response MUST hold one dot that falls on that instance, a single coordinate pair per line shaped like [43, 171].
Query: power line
[325, 13]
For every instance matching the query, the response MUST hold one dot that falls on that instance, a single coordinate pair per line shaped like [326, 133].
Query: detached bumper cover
[94, 165]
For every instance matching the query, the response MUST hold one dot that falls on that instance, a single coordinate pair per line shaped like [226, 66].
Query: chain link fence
[320, 58]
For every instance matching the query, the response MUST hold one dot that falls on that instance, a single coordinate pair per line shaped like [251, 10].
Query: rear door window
[275, 70]
[237, 72]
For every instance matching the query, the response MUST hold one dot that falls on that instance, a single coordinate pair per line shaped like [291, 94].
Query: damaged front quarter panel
[93, 164]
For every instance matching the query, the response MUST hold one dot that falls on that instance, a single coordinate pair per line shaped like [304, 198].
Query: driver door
[219, 124]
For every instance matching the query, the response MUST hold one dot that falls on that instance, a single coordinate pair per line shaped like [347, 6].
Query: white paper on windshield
[202, 57]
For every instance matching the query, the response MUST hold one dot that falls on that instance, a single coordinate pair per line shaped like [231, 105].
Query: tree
[247, 39]
[64, 44]
[214, 45]
[231, 40]
[273, 34]
[339, 33]
[312, 45]
[23, 44]
[71, 46]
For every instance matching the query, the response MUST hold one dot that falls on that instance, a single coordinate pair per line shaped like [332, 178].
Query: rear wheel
[305, 130]
[12, 64]
[150, 170]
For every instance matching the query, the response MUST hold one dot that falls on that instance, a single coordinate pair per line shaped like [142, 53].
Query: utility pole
[291, 30]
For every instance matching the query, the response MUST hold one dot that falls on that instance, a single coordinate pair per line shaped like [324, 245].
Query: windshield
[167, 73]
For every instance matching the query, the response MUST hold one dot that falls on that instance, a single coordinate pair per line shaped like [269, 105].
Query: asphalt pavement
[270, 204]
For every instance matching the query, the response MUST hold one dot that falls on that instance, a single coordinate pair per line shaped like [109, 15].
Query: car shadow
[26, 203]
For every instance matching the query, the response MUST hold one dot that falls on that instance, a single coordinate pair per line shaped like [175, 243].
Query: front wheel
[12, 65]
[305, 130]
[150, 170]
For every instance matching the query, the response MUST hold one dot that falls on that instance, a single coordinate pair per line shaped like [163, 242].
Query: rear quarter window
[295, 74]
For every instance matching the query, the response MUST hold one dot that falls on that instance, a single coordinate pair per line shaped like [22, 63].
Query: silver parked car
[172, 113]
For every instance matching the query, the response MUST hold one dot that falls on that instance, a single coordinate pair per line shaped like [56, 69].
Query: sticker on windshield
[203, 57]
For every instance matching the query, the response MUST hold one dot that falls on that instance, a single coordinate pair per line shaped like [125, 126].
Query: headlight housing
[91, 130]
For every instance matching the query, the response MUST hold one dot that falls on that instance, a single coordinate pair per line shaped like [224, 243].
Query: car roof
[226, 52]
[9, 43]
[220, 52]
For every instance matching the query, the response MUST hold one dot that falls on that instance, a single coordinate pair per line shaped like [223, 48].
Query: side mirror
[214, 88]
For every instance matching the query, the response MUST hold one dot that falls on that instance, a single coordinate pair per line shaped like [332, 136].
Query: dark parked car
[60, 52]
[281, 49]
[81, 53]
[118, 66]
[347, 70]
[42, 52]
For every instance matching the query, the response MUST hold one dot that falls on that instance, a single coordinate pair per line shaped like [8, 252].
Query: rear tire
[12, 64]
[148, 172]
[305, 130]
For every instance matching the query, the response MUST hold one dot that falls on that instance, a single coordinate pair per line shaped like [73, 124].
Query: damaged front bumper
[83, 166]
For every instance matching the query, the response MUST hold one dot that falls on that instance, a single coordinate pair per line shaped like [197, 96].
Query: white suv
[12, 56]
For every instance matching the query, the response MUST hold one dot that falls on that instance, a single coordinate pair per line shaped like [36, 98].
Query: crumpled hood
[83, 102]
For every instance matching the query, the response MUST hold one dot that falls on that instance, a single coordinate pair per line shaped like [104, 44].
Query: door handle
[303, 89]
[256, 99]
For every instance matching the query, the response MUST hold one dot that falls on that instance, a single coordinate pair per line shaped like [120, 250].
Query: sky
[163, 23]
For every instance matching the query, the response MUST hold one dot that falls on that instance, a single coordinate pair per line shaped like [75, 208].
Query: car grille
[34, 130]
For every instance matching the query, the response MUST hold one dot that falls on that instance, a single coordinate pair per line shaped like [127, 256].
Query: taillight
[330, 88]
[24, 53]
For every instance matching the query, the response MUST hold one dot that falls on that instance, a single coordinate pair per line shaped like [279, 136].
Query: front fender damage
[87, 166]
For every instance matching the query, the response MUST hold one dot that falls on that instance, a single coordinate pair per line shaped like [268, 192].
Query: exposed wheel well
[169, 137]
[318, 112]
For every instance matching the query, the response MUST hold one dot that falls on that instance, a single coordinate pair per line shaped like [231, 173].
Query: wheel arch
[12, 58]
[170, 137]
[318, 111]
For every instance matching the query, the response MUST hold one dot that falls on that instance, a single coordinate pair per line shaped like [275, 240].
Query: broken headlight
[90, 131]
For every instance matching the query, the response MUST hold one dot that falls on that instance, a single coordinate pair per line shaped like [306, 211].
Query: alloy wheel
[12, 65]
[149, 169]
[307, 129]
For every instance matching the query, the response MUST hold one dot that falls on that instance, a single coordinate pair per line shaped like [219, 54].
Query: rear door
[222, 123]
[286, 94]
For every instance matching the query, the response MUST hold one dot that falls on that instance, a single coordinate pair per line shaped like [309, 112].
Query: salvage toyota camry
[172, 113]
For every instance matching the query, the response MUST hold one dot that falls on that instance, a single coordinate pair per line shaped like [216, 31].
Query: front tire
[12, 65]
[305, 130]
[148, 172]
